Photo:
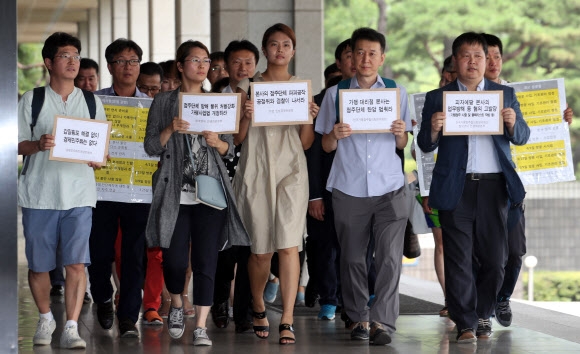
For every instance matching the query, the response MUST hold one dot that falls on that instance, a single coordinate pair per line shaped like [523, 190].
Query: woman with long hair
[176, 218]
[271, 187]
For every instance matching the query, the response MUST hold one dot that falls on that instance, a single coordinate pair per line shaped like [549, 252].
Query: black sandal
[260, 316]
[286, 327]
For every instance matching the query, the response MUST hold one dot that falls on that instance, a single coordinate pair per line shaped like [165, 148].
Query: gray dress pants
[354, 217]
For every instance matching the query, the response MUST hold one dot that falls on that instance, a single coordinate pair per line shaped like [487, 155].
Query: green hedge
[554, 286]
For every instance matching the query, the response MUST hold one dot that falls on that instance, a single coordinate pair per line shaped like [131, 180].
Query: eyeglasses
[121, 62]
[145, 89]
[217, 68]
[198, 61]
[68, 57]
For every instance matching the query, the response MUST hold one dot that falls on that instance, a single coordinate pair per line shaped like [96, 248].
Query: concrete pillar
[83, 36]
[120, 19]
[105, 38]
[192, 18]
[309, 29]
[8, 180]
[229, 21]
[250, 18]
[162, 18]
[94, 38]
[139, 25]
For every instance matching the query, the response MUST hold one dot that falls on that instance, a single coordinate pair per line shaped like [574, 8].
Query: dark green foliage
[554, 286]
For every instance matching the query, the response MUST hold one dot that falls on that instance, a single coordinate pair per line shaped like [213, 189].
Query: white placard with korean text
[80, 140]
[215, 112]
[127, 176]
[425, 160]
[369, 111]
[281, 103]
[547, 156]
[473, 112]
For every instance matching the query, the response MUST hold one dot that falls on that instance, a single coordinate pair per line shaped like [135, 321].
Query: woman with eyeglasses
[271, 186]
[176, 218]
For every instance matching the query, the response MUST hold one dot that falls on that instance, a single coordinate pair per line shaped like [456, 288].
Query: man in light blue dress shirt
[367, 187]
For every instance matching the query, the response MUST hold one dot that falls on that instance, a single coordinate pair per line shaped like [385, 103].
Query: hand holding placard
[45, 142]
[78, 140]
[473, 113]
[210, 112]
[281, 103]
[369, 111]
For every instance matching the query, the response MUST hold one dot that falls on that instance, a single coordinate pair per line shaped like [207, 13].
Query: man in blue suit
[473, 180]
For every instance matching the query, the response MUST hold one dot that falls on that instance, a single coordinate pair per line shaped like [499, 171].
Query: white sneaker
[175, 323]
[70, 339]
[200, 337]
[44, 329]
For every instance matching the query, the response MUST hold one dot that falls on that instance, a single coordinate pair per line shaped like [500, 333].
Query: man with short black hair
[241, 58]
[56, 197]
[368, 192]
[322, 247]
[217, 69]
[123, 58]
[343, 59]
[473, 181]
[123, 62]
[448, 73]
[88, 77]
[329, 72]
[516, 218]
[149, 81]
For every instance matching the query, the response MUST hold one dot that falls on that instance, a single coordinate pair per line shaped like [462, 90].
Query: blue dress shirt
[365, 165]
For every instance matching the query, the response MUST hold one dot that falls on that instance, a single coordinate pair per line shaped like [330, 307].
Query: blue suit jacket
[450, 168]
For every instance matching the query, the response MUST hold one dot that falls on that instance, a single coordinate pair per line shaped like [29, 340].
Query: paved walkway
[534, 330]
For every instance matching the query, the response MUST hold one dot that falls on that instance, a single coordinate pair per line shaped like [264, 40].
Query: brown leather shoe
[466, 336]
[378, 335]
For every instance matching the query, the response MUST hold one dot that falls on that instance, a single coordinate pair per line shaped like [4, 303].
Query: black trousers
[132, 218]
[516, 250]
[323, 256]
[227, 260]
[202, 226]
[475, 251]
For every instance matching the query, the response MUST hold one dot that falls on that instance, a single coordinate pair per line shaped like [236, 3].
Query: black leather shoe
[310, 296]
[127, 329]
[105, 315]
[219, 314]
[57, 290]
[347, 321]
[411, 247]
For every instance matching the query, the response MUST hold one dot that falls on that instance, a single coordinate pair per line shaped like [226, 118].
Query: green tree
[342, 17]
[31, 70]
[541, 38]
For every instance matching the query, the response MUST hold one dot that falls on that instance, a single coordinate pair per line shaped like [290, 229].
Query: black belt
[478, 176]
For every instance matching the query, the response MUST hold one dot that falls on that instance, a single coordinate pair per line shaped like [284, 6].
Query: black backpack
[38, 95]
